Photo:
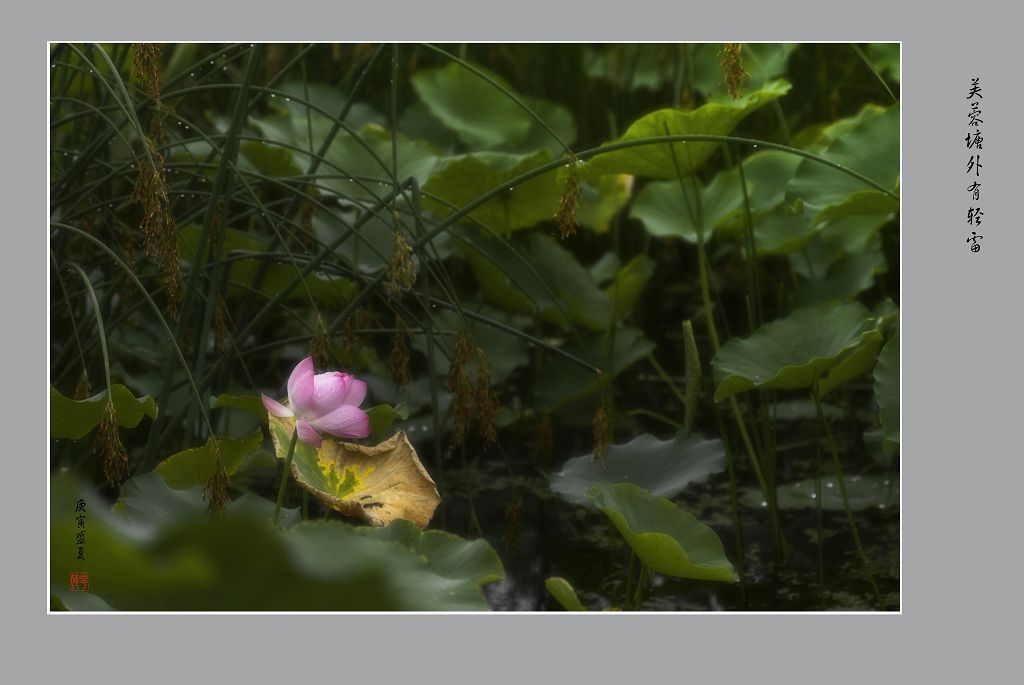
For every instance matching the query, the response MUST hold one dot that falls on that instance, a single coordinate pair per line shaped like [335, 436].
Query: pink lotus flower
[323, 403]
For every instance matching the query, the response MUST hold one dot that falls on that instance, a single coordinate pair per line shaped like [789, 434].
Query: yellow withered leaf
[377, 483]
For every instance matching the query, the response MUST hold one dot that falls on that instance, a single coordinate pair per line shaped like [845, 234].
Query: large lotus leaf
[538, 137]
[325, 288]
[761, 62]
[601, 200]
[564, 593]
[664, 211]
[180, 559]
[376, 483]
[544, 279]
[461, 180]
[429, 570]
[76, 418]
[629, 283]
[632, 65]
[662, 467]
[563, 380]
[666, 539]
[870, 145]
[472, 562]
[291, 122]
[195, 466]
[793, 352]
[784, 230]
[479, 112]
[148, 503]
[367, 161]
[270, 160]
[887, 388]
[843, 279]
[383, 415]
[369, 248]
[656, 160]
[358, 160]
[854, 365]
[250, 404]
[863, 492]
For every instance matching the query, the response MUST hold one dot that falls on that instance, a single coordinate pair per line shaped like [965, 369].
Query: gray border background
[962, 467]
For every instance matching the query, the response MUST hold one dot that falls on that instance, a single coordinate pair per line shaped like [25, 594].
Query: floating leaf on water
[662, 467]
[665, 538]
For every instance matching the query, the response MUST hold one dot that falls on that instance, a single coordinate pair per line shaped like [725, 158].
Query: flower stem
[284, 476]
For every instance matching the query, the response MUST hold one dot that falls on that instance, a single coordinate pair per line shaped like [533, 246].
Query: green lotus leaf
[195, 466]
[853, 365]
[794, 352]
[887, 388]
[629, 283]
[383, 415]
[250, 404]
[657, 160]
[601, 200]
[666, 539]
[477, 111]
[461, 180]
[74, 419]
[543, 280]
[376, 483]
[564, 593]
[161, 551]
[869, 144]
[325, 288]
[664, 211]
[661, 467]
[472, 562]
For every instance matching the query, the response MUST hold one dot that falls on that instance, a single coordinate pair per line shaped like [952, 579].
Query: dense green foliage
[635, 306]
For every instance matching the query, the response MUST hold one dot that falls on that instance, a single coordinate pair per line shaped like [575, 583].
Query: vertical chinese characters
[974, 141]
[80, 579]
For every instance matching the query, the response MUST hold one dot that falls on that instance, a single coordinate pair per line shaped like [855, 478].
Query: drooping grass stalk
[156, 310]
[816, 393]
[219, 186]
[287, 471]
[71, 312]
[101, 330]
[321, 153]
[675, 425]
[864, 58]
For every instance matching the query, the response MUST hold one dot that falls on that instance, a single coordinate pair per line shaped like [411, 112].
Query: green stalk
[287, 472]
[99, 325]
[842, 491]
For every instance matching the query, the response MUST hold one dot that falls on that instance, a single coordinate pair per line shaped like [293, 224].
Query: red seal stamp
[79, 581]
